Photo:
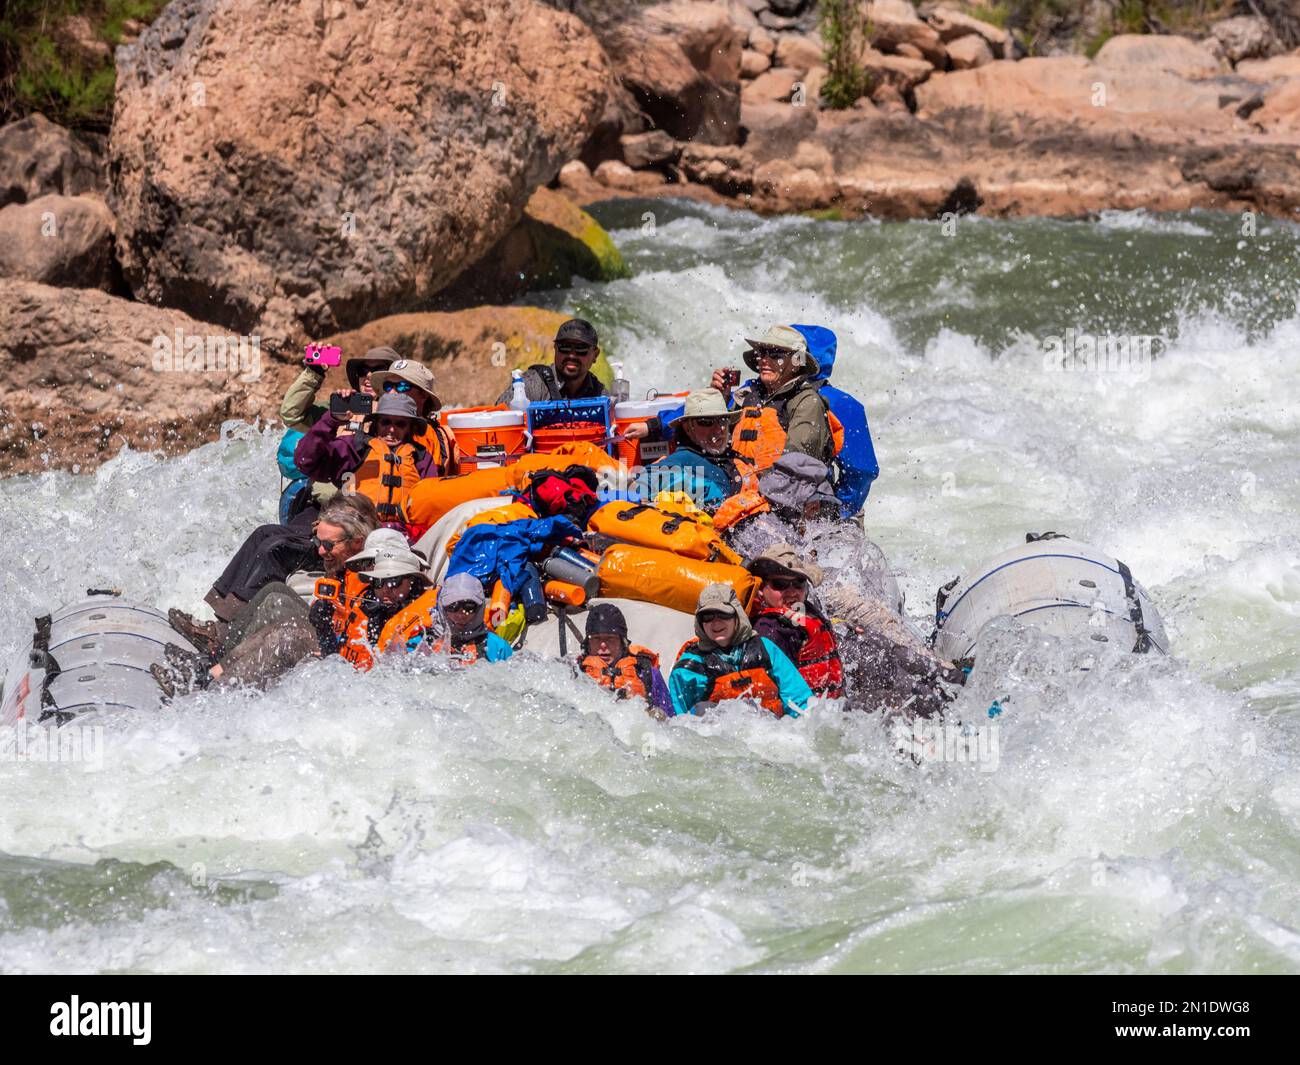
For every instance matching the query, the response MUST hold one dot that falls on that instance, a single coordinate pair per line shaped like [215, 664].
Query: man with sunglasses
[792, 619]
[702, 463]
[783, 409]
[570, 376]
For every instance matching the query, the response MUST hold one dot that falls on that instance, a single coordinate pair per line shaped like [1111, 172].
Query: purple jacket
[324, 456]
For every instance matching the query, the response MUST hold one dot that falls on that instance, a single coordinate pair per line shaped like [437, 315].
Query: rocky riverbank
[957, 118]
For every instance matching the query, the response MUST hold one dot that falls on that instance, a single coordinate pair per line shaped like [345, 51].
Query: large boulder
[38, 158]
[895, 22]
[894, 71]
[1246, 37]
[952, 25]
[83, 372]
[297, 168]
[58, 240]
[1147, 52]
[1070, 89]
[969, 52]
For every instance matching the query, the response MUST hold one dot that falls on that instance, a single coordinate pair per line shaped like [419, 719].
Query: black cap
[606, 619]
[579, 330]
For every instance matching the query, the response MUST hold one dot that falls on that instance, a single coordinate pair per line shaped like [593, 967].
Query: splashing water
[1144, 816]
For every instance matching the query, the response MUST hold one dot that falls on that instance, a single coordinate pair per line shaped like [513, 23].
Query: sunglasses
[393, 423]
[784, 584]
[709, 423]
[389, 583]
[572, 349]
[398, 386]
[710, 616]
[467, 607]
[771, 354]
[328, 545]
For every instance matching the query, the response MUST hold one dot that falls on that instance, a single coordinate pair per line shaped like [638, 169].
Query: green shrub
[44, 72]
[845, 33]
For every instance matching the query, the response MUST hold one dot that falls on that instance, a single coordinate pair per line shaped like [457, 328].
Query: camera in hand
[357, 403]
[731, 378]
[319, 355]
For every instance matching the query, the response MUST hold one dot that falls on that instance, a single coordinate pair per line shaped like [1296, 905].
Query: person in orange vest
[397, 601]
[625, 668]
[383, 462]
[780, 503]
[791, 618]
[410, 378]
[462, 634]
[728, 660]
[783, 410]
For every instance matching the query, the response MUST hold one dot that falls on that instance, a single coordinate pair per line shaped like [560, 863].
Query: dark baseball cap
[577, 330]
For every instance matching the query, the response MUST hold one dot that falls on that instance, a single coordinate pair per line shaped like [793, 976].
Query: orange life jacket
[350, 595]
[751, 678]
[630, 675]
[414, 619]
[387, 475]
[466, 653]
[819, 658]
[437, 441]
[761, 431]
[356, 642]
[360, 650]
[745, 503]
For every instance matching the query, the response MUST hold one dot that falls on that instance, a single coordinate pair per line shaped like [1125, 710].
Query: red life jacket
[630, 675]
[751, 678]
[819, 657]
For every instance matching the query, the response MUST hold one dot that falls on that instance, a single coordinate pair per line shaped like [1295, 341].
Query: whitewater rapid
[1141, 817]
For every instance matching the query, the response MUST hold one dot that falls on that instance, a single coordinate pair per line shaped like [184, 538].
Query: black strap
[1144, 642]
[1033, 538]
[633, 511]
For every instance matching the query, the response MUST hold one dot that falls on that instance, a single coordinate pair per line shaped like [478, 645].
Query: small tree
[845, 32]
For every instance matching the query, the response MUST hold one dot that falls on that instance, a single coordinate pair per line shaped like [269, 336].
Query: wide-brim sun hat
[413, 373]
[396, 405]
[385, 566]
[784, 337]
[355, 367]
[708, 403]
[782, 560]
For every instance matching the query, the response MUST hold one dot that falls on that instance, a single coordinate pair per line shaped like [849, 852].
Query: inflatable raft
[89, 656]
[95, 654]
[1053, 583]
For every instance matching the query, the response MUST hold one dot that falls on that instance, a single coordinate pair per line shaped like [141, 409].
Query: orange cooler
[637, 452]
[488, 438]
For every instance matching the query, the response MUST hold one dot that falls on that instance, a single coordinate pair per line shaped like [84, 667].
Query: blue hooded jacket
[856, 465]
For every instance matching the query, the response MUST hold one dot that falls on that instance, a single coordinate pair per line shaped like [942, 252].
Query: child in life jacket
[627, 669]
[728, 660]
[464, 635]
[787, 615]
[383, 462]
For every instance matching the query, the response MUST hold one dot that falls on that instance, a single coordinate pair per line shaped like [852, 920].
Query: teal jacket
[687, 687]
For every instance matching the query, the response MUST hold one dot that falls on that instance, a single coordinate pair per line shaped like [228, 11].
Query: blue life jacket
[297, 493]
[856, 465]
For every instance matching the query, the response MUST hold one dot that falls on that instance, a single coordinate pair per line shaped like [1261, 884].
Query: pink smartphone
[318, 355]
